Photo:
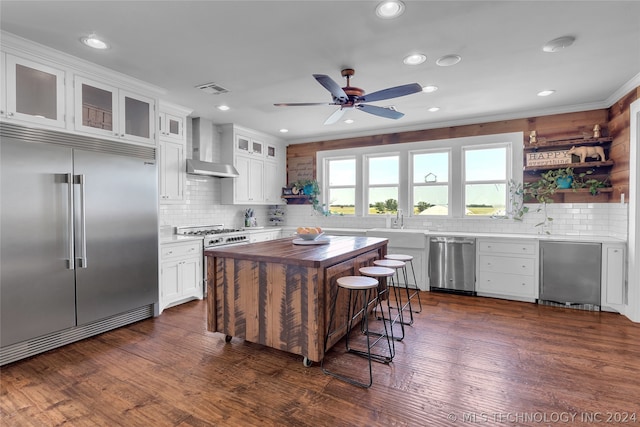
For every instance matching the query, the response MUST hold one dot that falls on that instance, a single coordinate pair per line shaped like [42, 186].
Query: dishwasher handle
[454, 240]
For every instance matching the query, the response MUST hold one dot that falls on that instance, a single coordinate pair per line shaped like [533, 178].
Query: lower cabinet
[507, 269]
[180, 273]
[613, 289]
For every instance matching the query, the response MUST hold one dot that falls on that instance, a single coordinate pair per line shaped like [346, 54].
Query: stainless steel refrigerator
[78, 232]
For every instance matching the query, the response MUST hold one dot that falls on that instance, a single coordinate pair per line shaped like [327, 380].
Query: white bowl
[310, 236]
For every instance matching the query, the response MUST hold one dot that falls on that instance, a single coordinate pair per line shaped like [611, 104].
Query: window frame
[508, 174]
[514, 140]
[325, 173]
[366, 186]
[412, 202]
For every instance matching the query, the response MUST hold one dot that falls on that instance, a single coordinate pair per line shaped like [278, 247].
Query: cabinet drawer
[511, 248]
[506, 284]
[178, 250]
[510, 265]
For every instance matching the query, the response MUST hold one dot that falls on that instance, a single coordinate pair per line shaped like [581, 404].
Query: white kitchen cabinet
[264, 235]
[35, 92]
[172, 152]
[507, 269]
[180, 273]
[108, 111]
[613, 289]
[261, 177]
[171, 126]
[172, 171]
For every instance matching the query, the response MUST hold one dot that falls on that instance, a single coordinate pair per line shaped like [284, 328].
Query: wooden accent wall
[614, 120]
[620, 130]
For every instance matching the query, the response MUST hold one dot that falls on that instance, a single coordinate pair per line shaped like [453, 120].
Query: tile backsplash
[203, 195]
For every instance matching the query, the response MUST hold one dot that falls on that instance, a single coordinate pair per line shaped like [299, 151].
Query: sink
[401, 238]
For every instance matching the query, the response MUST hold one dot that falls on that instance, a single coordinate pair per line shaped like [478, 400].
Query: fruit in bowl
[309, 233]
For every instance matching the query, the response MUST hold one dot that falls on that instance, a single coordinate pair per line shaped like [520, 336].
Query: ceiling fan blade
[301, 104]
[380, 111]
[339, 96]
[335, 116]
[392, 92]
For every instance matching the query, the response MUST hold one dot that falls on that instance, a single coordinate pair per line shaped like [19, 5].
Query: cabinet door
[35, 92]
[172, 171]
[241, 183]
[272, 183]
[272, 152]
[170, 284]
[136, 117]
[171, 127]
[613, 276]
[96, 105]
[256, 180]
[243, 144]
[191, 277]
[257, 147]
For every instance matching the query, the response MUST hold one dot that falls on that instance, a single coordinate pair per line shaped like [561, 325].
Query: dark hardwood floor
[502, 362]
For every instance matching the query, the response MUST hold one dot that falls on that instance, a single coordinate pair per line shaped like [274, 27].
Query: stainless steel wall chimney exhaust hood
[199, 167]
[204, 141]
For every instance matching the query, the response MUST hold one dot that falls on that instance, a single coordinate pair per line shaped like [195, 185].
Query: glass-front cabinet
[109, 111]
[246, 145]
[171, 126]
[35, 92]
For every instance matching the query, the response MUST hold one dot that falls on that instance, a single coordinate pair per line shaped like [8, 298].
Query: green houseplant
[310, 187]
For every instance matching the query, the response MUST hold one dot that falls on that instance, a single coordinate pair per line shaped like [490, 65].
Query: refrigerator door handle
[82, 260]
[71, 265]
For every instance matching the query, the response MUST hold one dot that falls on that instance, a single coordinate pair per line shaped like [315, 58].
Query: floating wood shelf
[570, 165]
[567, 143]
[298, 199]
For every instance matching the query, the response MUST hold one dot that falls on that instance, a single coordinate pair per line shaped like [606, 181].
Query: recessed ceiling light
[283, 130]
[546, 92]
[558, 44]
[448, 60]
[348, 121]
[390, 9]
[430, 88]
[94, 42]
[223, 107]
[414, 59]
[433, 109]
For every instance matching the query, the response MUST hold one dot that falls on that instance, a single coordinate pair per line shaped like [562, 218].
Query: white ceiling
[265, 52]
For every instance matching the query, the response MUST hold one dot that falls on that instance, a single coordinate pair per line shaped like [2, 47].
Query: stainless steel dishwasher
[570, 273]
[452, 264]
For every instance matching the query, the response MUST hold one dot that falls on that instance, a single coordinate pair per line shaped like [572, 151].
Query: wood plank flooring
[465, 361]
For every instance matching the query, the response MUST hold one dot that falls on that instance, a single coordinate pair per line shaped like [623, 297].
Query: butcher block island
[278, 293]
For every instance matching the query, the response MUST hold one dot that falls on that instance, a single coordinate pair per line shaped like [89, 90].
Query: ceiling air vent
[212, 88]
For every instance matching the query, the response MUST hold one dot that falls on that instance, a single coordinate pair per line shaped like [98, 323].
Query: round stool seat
[389, 263]
[399, 257]
[357, 282]
[377, 271]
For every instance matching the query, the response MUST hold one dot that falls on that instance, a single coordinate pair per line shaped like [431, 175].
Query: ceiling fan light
[448, 60]
[429, 88]
[389, 9]
[94, 42]
[414, 59]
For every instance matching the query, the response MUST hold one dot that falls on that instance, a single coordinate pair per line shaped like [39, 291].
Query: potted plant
[310, 187]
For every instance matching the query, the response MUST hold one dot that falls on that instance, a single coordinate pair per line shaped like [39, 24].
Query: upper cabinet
[260, 161]
[44, 88]
[171, 126]
[34, 92]
[106, 110]
[172, 144]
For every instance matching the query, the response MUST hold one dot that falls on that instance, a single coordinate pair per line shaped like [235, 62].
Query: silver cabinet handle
[71, 265]
[82, 260]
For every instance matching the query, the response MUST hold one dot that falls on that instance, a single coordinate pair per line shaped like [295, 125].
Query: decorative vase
[564, 182]
[308, 189]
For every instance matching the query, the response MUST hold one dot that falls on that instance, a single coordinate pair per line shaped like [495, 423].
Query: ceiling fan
[354, 97]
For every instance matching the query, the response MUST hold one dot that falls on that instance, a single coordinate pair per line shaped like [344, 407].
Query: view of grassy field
[350, 210]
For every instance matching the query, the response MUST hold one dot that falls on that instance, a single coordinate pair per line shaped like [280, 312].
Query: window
[485, 180]
[383, 182]
[430, 183]
[341, 189]
[464, 177]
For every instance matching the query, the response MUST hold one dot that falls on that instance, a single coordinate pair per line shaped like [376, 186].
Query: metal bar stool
[366, 292]
[411, 291]
[384, 271]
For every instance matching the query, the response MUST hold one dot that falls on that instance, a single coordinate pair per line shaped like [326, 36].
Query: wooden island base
[278, 294]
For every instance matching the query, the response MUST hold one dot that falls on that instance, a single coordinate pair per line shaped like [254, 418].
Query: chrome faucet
[398, 222]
